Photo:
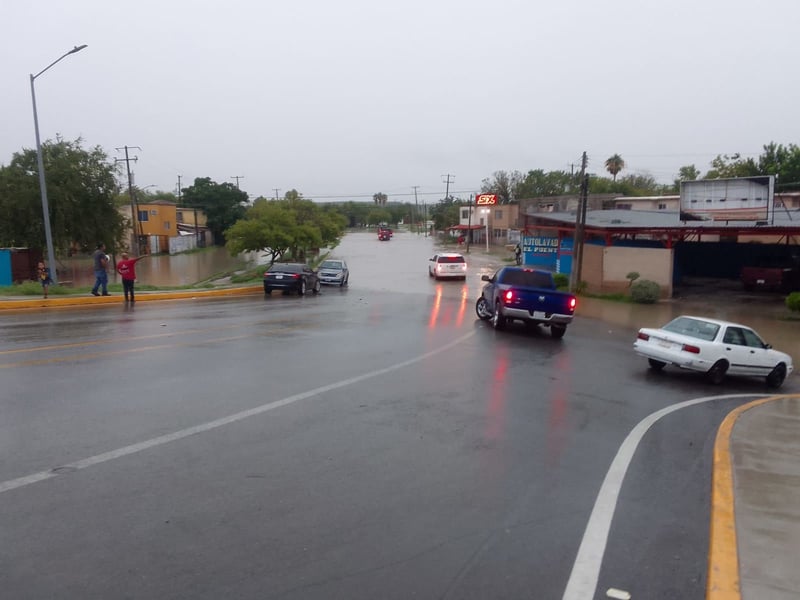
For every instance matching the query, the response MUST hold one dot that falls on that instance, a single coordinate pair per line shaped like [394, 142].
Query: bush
[645, 291]
[793, 301]
[561, 280]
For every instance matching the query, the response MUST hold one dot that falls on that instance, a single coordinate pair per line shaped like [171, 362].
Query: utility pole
[277, 192]
[416, 209]
[136, 226]
[237, 178]
[469, 222]
[580, 225]
[179, 190]
[447, 189]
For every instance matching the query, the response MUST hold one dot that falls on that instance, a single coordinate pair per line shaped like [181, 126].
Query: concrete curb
[24, 303]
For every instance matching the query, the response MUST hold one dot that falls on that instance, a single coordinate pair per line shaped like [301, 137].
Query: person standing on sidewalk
[100, 259]
[127, 269]
[44, 277]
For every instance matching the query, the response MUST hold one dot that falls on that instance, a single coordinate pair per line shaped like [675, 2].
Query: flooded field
[164, 270]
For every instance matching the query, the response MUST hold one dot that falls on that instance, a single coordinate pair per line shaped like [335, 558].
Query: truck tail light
[573, 302]
[508, 296]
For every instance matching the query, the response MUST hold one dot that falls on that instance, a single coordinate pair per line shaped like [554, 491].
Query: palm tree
[614, 165]
[380, 198]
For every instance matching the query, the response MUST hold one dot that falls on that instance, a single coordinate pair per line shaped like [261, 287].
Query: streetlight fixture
[51, 256]
[485, 212]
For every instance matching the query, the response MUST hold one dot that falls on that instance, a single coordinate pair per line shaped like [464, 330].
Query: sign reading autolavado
[486, 199]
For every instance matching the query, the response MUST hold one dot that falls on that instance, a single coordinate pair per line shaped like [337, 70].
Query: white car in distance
[448, 265]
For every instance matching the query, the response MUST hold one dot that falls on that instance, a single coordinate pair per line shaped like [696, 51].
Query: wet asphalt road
[375, 441]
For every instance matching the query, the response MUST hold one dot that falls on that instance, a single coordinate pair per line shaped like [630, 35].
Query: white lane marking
[582, 581]
[19, 482]
[618, 594]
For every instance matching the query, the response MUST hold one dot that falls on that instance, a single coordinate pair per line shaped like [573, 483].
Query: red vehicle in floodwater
[384, 234]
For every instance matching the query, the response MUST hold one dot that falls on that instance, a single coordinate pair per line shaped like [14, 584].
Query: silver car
[334, 271]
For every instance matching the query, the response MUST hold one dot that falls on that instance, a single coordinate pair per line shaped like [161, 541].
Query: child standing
[44, 277]
[127, 268]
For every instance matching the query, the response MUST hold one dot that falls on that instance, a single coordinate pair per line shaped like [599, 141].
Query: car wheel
[317, 287]
[776, 377]
[301, 291]
[656, 365]
[342, 282]
[557, 331]
[716, 374]
[267, 291]
[430, 273]
[482, 309]
[498, 320]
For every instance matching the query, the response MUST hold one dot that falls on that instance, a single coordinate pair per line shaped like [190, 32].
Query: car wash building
[721, 225]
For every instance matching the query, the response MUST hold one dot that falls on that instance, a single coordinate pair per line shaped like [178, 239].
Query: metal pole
[48, 234]
[51, 255]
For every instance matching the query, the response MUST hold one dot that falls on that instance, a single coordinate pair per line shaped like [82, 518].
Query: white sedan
[717, 348]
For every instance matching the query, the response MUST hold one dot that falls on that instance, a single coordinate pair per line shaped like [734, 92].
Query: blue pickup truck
[524, 294]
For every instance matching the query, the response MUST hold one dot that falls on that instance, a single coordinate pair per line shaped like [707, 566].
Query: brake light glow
[573, 302]
[689, 348]
[643, 336]
[508, 296]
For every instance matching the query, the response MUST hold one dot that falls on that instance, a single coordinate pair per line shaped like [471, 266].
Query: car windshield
[702, 330]
[331, 264]
[451, 259]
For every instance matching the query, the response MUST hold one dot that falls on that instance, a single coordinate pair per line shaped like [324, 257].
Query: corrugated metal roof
[664, 219]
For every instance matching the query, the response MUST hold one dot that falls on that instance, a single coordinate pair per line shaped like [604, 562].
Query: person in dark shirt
[100, 259]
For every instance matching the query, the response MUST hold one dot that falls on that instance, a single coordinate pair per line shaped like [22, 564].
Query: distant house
[162, 227]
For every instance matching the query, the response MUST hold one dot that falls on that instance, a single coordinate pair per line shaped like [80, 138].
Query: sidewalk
[71, 300]
[765, 454]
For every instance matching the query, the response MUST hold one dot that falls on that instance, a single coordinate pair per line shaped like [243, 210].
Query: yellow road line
[723, 552]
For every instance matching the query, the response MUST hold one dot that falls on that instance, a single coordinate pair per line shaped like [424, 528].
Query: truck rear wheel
[557, 331]
[498, 320]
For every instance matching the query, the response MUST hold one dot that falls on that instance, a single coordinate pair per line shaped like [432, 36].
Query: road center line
[26, 480]
[585, 573]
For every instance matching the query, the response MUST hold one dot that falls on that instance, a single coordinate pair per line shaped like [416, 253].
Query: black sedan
[291, 277]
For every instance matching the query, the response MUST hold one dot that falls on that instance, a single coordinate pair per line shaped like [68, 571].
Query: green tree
[502, 183]
[688, 173]
[223, 204]
[614, 164]
[81, 188]
[726, 166]
[378, 215]
[380, 198]
[445, 213]
[293, 225]
[538, 183]
[783, 161]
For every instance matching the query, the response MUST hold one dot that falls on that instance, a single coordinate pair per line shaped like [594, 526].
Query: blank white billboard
[737, 199]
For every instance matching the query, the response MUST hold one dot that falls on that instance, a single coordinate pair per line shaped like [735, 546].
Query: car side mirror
[485, 278]
[768, 346]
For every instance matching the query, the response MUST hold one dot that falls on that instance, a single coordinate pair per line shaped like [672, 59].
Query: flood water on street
[165, 270]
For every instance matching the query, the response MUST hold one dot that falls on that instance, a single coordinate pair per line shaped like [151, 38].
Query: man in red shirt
[127, 268]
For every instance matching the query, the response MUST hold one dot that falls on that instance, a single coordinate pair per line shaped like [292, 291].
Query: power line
[237, 178]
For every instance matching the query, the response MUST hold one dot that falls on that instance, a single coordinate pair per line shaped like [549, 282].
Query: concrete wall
[654, 264]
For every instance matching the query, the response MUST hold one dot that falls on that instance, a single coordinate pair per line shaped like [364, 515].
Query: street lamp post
[485, 212]
[51, 256]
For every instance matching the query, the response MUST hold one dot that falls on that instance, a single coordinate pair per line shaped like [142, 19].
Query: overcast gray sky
[352, 97]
